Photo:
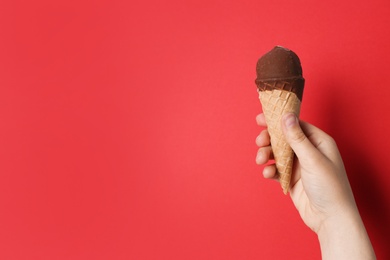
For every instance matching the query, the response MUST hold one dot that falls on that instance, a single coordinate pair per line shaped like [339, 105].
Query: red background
[127, 128]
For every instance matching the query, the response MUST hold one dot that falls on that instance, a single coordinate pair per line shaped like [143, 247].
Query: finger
[298, 141]
[260, 119]
[322, 141]
[269, 172]
[315, 135]
[263, 139]
[264, 154]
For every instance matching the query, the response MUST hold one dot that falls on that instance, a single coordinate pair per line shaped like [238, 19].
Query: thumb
[297, 139]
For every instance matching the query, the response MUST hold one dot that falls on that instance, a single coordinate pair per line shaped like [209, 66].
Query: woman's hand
[320, 189]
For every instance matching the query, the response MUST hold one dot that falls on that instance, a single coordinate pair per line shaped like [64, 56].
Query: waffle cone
[275, 104]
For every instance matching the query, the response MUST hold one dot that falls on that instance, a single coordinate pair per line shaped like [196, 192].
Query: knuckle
[298, 137]
[330, 141]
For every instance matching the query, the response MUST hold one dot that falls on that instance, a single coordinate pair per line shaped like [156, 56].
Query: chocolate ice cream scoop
[281, 69]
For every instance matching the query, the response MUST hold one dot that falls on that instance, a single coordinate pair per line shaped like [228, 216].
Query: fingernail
[290, 120]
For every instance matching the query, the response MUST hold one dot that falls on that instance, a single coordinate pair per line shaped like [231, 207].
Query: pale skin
[319, 189]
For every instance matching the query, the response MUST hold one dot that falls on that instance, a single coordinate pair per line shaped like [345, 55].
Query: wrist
[344, 237]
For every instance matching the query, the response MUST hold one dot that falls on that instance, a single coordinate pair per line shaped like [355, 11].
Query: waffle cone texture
[275, 104]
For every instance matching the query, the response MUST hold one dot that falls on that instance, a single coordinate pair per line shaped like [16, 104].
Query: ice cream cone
[275, 104]
[280, 85]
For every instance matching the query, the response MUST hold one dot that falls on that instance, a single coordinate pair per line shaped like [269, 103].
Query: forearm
[345, 238]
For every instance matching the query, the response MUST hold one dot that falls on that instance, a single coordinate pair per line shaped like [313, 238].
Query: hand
[319, 185]
[320, 189]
